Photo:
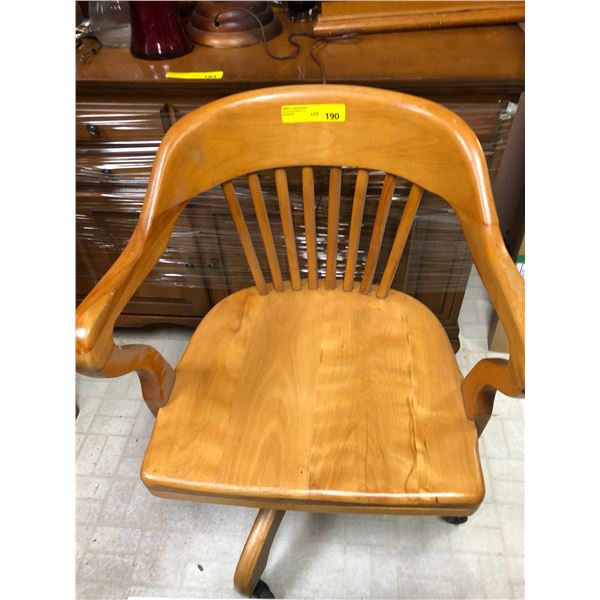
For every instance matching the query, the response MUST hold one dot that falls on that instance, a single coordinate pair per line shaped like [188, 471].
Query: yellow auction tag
[198, 75]
[313, 113]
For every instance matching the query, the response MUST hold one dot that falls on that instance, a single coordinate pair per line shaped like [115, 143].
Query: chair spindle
[358, 206]
[242, 229]
[408, 215]
[265, 230]
[381, 216]
[333, 211]
[333, 215]
[287, 224]
[310, 228]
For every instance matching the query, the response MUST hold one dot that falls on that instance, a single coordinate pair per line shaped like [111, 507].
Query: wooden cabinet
[125, 105]
[170, 292]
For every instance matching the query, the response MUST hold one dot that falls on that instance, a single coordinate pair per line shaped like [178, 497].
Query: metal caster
[455, 520]
[262, 590]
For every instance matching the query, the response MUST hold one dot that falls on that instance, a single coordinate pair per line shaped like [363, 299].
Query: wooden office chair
[329, 395]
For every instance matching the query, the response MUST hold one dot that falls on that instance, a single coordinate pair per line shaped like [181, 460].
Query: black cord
[319, 41]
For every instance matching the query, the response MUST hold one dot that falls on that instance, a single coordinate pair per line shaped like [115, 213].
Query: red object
[156, 31]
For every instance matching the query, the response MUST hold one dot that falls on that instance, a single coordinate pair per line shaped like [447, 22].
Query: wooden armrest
[506, 288]
[96, 353]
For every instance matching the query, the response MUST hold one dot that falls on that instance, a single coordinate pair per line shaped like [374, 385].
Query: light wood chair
[327, 395]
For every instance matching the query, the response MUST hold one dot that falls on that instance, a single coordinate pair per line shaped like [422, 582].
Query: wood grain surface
[255, 554]
[320, 396]
[341, 17]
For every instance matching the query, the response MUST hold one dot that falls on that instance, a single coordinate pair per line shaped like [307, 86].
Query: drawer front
[127, 121]
[176, 284]
[118, 122]
[109, 163]
[117, 143]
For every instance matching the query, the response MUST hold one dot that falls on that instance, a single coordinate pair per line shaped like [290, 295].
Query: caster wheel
[262, 590]
[455, 520]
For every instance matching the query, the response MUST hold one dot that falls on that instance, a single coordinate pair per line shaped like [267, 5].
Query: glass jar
[157, 32]
[110, 23]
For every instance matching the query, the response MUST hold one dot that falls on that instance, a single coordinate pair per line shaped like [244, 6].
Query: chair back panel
[402, 135]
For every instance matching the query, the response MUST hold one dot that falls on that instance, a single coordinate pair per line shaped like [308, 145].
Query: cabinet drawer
[114, 164]
[176, 284]
[127, 121]
[118, 122]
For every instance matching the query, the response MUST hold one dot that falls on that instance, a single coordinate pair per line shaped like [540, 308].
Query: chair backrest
[244, 134]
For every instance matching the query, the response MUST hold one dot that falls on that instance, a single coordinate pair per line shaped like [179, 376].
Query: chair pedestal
[254, 556]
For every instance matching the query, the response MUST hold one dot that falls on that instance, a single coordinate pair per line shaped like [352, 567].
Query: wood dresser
[124, 106]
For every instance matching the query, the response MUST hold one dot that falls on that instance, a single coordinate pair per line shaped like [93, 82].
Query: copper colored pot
[232, 24]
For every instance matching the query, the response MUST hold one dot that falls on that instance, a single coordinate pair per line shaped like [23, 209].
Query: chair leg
[254, 556]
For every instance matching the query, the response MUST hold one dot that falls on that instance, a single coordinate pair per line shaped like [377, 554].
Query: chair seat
[318, 400]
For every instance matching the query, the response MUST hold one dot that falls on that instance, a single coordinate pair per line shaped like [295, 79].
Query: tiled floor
[130, 543]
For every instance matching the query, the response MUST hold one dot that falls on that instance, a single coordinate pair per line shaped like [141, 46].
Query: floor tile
[485, 516]
[371, 529]
[120, 540]
[434, 535]
[105, 590]
[111, 455]
[513, 434]
[384, 573]
[143, 425]
[135, 447]
[118, 407]
[495, 578]
[83, 537]
[105, 567]
[307, 570]
[90, 453]
[510, 517]
[508, 408]
[481, 540]
[426, 589]
[79, 439]
[493, 439]
[94, 387]
[511, 492]
[119, 386]
[204, 577]
[87, 510]
[87, 412]
[111, 425]
[516, 569]
[426, 564]
[129, 466]
[91, 487]
[468, 312]
[505, 469]
[357, 571]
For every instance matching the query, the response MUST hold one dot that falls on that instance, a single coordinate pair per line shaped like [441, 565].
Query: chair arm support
[96, 353]
[480, 385]
[506, 289]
